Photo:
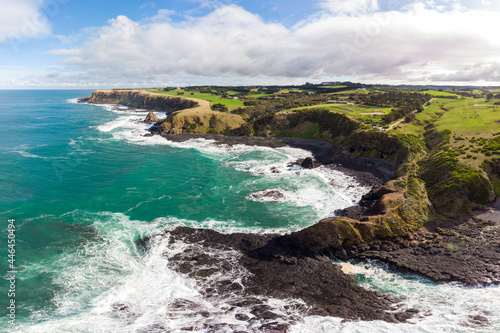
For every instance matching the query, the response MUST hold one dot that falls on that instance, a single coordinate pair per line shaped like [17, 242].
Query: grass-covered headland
[445, 143]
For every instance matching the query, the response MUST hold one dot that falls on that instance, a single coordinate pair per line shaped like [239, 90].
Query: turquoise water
[83, 185]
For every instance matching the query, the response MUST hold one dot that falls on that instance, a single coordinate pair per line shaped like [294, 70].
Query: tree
[220, 107]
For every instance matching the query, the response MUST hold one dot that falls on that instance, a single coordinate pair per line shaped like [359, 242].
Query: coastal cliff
[406, 222]
[140, 99]
[420, 177]
[189, 115]
[199, 120]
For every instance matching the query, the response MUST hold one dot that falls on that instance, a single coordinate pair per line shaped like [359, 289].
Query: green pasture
[359, 112]
[352, 110]
[259, 95]
[215, 99]
[441, 94]
[352, 92]
[333, 87]
[465, 116]
[469, 115]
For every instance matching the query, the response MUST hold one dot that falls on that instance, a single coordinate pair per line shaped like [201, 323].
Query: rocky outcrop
[466, 250]
[307, 163]
[398, 208]
[151, 118]
[268, 195]
[199, 121]
[247, 269]
[140, 99]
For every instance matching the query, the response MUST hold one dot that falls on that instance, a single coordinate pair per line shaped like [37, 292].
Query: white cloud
[418, 43]
[148, 4]
[22, 19]
[350, 6]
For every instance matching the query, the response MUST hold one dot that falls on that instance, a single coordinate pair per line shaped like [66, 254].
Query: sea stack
[307, 163]
[151, 118]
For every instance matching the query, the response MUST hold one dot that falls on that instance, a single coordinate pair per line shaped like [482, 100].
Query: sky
[74, 44]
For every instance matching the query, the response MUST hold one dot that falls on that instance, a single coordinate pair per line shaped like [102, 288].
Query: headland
[418, 218]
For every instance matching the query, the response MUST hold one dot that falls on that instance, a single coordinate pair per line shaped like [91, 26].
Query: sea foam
[112, 284]
[323, 189]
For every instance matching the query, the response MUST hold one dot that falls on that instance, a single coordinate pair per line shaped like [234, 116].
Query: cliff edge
[189, 114]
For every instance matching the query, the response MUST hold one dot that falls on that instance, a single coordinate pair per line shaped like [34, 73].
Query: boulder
[307, 163]
[151, 118]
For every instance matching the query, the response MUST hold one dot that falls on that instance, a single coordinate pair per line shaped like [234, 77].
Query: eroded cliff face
[397, 208]
[140, 99]
[200, 121]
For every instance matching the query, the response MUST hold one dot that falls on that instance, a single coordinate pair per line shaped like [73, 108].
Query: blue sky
[102, 44]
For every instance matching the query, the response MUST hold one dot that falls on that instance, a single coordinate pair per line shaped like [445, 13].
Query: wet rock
[275, 170]
[277, 268]
[123, 310]
[462, 251]
[263, 311]
[307, 163]
[155, 328]
[275, 328]
[204, 272]
[269, 195]
[241, 317]
[181, 304]
[478, 320]
[235, 287]
[247, 302]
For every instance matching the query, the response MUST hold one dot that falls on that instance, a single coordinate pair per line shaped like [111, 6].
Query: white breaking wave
[323, 189]
[111, 284]
[443, 307]
[73, 101]
[26, 154]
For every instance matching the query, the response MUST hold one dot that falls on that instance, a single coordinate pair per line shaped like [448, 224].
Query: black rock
[242, 317]
[277, 268]
[307, 163]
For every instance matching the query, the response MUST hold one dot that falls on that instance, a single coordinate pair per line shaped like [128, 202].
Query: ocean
[80, 185]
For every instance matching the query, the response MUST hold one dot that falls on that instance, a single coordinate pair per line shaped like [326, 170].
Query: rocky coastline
[325, 153]
[299, 265]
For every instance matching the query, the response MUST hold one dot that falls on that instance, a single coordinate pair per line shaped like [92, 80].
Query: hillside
[444, 144]
[190, 114]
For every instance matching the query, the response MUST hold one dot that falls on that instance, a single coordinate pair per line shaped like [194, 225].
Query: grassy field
[435, 93]
[461, 116]
[351, 92]
[306, 130]
[347, 109]
[215, 99]
[259, 95]
[364, 113]
[470, 116]
[333, 87]
[472, 123]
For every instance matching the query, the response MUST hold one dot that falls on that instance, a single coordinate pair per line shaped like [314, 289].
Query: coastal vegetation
[444, 144]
